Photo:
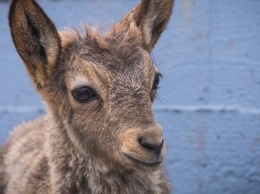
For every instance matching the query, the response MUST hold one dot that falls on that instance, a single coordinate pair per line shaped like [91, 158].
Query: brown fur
[97, 146]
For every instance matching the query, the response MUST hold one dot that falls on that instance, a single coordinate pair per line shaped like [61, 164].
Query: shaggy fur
[109, 144]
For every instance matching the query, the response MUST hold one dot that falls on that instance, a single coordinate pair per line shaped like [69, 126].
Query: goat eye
[156, 82]
[84, 94]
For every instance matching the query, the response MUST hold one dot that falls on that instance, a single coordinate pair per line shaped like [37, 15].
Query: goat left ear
[36, 39]
[151, 18]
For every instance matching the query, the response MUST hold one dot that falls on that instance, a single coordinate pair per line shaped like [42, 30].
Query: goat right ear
[151, 18]
[36, 39]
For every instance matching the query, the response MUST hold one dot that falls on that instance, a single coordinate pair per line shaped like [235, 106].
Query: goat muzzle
[144, 147]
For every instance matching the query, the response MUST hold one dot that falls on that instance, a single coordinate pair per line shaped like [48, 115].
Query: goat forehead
[123, 64]
[134, 67]
[115, 51]
[114, 59]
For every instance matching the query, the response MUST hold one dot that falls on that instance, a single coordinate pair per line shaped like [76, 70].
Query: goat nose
[153, 147]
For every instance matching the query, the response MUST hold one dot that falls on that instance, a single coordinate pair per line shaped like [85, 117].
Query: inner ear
[145, 19]
[38, 49]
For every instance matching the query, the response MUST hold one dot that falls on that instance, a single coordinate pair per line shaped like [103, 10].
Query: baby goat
[99, 134]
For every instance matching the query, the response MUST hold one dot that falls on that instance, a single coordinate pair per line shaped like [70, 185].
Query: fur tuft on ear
[36, 39]
[151, 17]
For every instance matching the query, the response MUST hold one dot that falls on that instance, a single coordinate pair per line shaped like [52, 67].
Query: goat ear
[36, 39]
[151, 17]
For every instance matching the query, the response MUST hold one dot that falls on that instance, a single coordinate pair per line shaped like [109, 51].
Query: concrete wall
[209, 99]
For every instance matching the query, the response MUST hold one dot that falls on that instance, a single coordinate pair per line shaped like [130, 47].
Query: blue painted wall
[209, 100]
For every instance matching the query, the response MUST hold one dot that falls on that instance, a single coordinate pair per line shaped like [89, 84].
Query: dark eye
[84, 94]
[156, 81]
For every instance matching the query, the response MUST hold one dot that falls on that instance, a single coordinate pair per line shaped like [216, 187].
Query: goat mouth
[143, 163]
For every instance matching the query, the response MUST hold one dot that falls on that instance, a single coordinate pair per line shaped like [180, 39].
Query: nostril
[155, 148]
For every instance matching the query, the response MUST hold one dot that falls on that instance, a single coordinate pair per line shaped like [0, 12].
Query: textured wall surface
[209, 99]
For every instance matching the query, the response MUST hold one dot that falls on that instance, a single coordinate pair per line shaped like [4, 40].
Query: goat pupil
[83, 94]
